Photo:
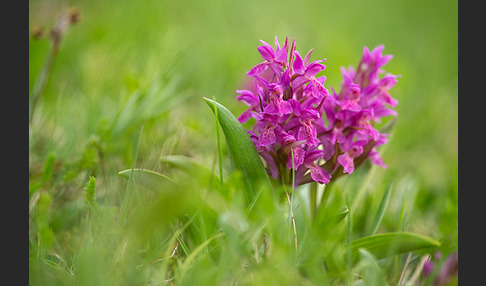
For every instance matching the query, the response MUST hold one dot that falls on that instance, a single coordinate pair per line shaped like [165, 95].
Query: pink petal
[375, 158]
[271, 109]
[281, 55]
[307, 57]
[247, 97]
[377, 51]
[298, 66]
[292, 123]
[285, 79]
[320, 175]
[299, 81]
[286, 44]
[271, 164]
[385, 96]
[258, 69]
[312, 156]
[384, 60]
[267, 137]
[350, 105]
[296, 108]
[307, 132]
[285, 107]
[318, 90]
[276, 42]
[314, 68]
[298, 158]
[329, 149]
[266, 54]
[276, 68]
[347, 162]
[245, 116]
[366, 55]
[266, 51]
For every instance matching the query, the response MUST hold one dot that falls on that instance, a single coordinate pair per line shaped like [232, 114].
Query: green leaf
[148, 179]
[191, 257]
[192, 167]
[244, 155]
[381, 210]
[392, 243]
[220, 150]
[127, 196]
[382, 246]
[372, 272]
[341, 214]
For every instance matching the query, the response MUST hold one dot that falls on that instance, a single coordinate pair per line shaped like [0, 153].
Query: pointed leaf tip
[243, 153]
[148, 179]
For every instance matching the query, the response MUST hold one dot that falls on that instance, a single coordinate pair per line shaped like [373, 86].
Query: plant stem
[291, 200]
[89, 211]
[293, 220]
[313, 199]
[89, 220]
[57, 34]
[126, 198]
[349, 238]
[293, 171]
[325, 195]
[41, 81]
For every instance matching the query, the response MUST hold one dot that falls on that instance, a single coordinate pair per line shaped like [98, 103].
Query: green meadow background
[153, 61]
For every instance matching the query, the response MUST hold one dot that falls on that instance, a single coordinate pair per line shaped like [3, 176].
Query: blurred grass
[127, 61]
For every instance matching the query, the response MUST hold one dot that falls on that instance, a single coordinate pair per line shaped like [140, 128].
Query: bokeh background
[154, 60]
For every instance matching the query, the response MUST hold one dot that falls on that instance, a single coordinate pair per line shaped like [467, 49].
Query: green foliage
[43, 216]
[90, 190]
[146, 178]
[244, 156]
[195, 169]
[387, 244]
[89, 195]
[126, 63]
[381, 210]
[89, 161]
[372, 272]
[48, 169]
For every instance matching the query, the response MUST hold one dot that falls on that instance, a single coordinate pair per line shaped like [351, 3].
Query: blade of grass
[293, 171]
[292, 220]
[381, 210]
[373, 274]
[191, 257]
[313, 199]
[399, 228]
[349, 248]
[405, 270]
[189, 165]
[325, 196]
[402, 215]
[220, 153]
[418, 270]
[123, 209]
[175, 237]
[146, 178]
[202, 223]
[290, 200]
[362, 190]
[180, 240]
[253, 202]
